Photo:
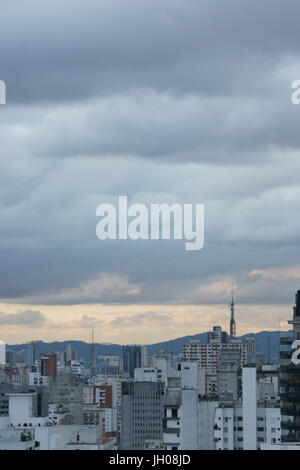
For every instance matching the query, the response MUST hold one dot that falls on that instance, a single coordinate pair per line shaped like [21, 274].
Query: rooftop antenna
[232, 320]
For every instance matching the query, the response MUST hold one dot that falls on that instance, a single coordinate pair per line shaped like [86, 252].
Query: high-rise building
[231, 427]
[48, 365]
[2, 353]
[22, 356]
[217, 335]
[290, 379]
[249, 409]
[74, 355]
[11, 358]
[250, 344]
[207, 355]
[132, 358]
[67, 391]
[144, 356]
[247, 424]
[142, 413]
[93, 356]
[68, 353]
[189, 416]
[227, 374]
[33, 353]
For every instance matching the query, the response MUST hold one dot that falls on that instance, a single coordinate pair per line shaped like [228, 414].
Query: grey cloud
[61, 51]
[161, 102]
[86, 321]
[50, 234]
[146, 318]
[26, 318]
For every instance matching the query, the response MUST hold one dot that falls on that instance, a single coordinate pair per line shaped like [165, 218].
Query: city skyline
[149, 236]
[217, 393]
[105, 334]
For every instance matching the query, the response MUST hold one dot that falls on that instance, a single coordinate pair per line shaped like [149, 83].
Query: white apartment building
[188, 418]
[247, 425]
[232, 433]
[193, 422]
[207, 355]
[196, 414]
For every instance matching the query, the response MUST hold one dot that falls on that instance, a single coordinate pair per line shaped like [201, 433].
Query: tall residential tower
[290, 378]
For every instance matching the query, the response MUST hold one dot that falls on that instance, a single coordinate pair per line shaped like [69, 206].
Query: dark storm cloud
[76, 49]
[174, 101]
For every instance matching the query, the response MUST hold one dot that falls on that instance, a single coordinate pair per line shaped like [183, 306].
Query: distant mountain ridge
[267, 344]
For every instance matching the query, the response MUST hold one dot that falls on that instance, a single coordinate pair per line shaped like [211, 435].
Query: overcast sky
[183, 101]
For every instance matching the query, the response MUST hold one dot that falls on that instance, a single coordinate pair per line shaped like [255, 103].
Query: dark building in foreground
[290, 379]
[142, 413]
